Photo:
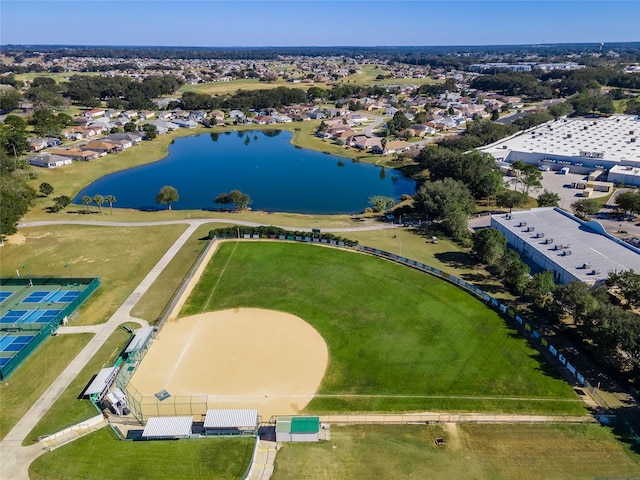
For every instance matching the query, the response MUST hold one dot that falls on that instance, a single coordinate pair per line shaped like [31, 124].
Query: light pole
[68, 266]
[400, 244]
[28, 268]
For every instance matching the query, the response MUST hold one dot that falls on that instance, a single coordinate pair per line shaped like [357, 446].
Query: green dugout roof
[298, 424]
[305, 424]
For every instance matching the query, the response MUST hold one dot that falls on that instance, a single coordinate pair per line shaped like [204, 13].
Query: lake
[278, 176]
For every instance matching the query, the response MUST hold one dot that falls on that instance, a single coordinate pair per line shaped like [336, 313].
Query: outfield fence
[408, 418]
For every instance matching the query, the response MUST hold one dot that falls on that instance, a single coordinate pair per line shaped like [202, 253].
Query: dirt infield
[240, 358]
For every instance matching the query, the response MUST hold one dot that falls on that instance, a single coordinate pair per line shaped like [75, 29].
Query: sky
[223, 23]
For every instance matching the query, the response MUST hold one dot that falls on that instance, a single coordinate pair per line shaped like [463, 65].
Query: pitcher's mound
[240, 358]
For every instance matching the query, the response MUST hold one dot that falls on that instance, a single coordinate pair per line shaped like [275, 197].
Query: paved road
[201, 221]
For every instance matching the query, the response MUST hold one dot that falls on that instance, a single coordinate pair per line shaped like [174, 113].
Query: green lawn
[154, 302]
[399, 340]
[480, 452]
[121, 257]
[69, 409]
[35, 375]
[99, 456]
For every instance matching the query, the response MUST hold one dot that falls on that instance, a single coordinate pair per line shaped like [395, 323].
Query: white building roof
[103, 378]
[141, 337]
[573, 137]
[167, 427]
[231, 418]
[599, 251]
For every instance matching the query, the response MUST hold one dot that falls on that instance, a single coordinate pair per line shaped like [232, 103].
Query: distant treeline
[420, 55]
[275, 232]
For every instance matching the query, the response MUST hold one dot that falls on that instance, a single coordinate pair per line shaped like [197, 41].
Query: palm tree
[110, 199]
[87, 201]
[99, 200]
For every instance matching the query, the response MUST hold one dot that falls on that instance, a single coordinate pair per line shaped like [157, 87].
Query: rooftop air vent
[566, 253]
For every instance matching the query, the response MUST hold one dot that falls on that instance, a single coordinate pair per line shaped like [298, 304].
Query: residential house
[420, 130]
[357, 118]
[94, 113]
[263, 120]
[237, 116]
[146, 115]
[282, 118]
[46, 160]
[396, 146]
[131, 138]
[102, 146]
[165, 116]
[37, 143]
[75, 154]
[390, 111]
[162, 126]
[185, 123]
[317, 115]
[364, 142]
[131, 115]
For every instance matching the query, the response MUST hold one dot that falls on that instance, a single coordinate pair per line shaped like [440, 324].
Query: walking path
[263, 462]
[16, 458]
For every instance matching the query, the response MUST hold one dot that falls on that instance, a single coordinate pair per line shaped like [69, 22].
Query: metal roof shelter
[231, 421]
[568, 247]
[168, 427]
[102, 381]
[140, 339]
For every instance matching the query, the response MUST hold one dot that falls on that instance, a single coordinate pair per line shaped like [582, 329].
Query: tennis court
[32, 309]
[10, 345]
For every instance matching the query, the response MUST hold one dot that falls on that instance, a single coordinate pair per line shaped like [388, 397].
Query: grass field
[100, 455]
[121, 257]
[399, 340]
[246, 84]
[69, 409]
[480, 452]
[35, 375]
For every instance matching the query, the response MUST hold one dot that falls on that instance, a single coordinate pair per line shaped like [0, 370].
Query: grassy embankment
[100, 455]
[482, 452]
[399, 340]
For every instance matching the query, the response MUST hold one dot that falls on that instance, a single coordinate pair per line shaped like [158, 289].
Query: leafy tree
[438, 198]
[495, 115]
[60, 203]
[585, 207]
[98, 200]
[150, 131]
[381, 203]
[539, 289]
[578, 299]
[531, 177]
[45, 189]
[86, 200]
[10, 100]
[489, 245]
[13, 136]
[129, 127]
[398, 123]
[168, 195]
[629, 201]
[560, 110]
[110, 199]
[514, 271]
[511, 199]
[45, 123]
[15, 199]
[548, 199]
[628, 284]
[240, 200]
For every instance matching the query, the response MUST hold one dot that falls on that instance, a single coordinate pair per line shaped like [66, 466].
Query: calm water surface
[277, 176]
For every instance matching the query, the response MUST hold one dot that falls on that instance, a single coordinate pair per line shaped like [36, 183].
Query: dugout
[231, 422]
[167, 428]
[139, 341]
[298, 429]
[101, 383]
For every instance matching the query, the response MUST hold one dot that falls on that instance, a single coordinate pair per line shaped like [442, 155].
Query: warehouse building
[568, 247]
[579, 145]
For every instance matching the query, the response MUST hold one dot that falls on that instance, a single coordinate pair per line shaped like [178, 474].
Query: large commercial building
[610, 144]
[566, 246]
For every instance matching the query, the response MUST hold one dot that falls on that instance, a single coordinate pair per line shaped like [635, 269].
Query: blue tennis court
[29, 316]
[10, 345]
[51, 297]
[4, 296]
